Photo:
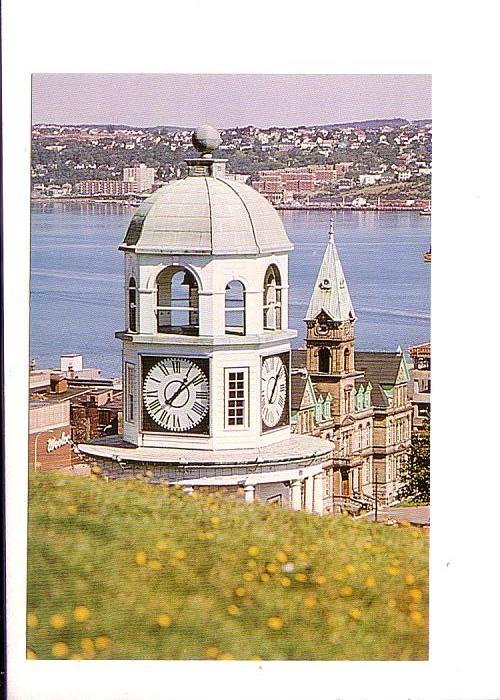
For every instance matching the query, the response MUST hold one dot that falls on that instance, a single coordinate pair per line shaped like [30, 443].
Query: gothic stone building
[357, 400]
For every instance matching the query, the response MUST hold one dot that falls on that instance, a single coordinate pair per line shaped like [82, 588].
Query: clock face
[274, 391]
[175, 395]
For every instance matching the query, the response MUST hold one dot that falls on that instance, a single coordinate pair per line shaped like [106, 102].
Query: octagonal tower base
[294, 473]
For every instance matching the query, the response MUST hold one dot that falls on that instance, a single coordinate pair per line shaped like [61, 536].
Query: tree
[416, 472]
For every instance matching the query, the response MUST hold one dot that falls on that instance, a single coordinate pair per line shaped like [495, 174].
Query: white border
[321, 37]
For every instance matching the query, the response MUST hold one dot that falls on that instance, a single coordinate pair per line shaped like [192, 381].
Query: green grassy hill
[127, 570]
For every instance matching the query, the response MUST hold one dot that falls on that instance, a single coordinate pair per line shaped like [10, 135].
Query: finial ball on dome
[206, 139]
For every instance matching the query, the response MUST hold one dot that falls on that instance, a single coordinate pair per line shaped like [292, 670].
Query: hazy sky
[226, 100]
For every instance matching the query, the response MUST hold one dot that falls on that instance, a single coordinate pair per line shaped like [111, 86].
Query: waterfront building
[206, 350]
[357, 400]
[420, 387]
[141, 177]
[104, 188]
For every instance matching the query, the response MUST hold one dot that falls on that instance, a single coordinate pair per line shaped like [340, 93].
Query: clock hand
[271, 398]
[184, 385]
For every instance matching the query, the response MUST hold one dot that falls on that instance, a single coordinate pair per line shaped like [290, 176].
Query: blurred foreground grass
[127, 570]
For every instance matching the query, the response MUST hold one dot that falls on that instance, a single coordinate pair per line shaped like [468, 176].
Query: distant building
[357, 400]
[66, 406]
[421, 383]
[104, 188]
[369, 179]
[140, 177]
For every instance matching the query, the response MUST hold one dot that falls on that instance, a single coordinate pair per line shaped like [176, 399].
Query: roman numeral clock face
[274, 391]
[175, 395]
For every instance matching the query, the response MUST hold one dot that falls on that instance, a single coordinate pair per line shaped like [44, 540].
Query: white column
[318, 494]
[296, 494]
[249, 491]
[309, 493]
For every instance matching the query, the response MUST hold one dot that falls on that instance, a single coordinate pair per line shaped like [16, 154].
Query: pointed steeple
[331, 294]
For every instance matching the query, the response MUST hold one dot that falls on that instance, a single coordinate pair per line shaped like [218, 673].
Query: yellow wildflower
[355, 613]
[310, 601]
[275, 623]
[88, 649]
[391, 603]
[416, 594]
[141, 558]
[155, 564]
[76, 657]
[164, 620]
[102, 642]
[313, 547]
[251, 564]
[96, 469]
[393, 570]
[272, 568]
[285, 581]
[233, 609]
[226, 657]
[162, 545]
[339, 575]
[409, 579]
[320, 579]
[30, 654]
[57, 621]
[240, 591]
[248, 576]
[209, 535]
[265, 577]
[211, 652]
[215, 520]
[81, 613]
[71, 510]
[180, 554]
[417, 617]
[60, 650]
[32, 620]
[281, 557]
[370, 582]
[350, 568]
[300, 577]
[346, 590]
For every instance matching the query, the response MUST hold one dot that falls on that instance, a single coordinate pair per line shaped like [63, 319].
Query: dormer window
[177, 302]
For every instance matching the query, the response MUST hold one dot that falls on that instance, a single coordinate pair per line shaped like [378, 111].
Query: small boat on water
[425, 212]
[427, 256]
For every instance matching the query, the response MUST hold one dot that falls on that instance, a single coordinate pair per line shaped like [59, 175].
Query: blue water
[76, 277]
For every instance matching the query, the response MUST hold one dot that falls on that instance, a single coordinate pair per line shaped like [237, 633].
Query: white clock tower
[206, 345]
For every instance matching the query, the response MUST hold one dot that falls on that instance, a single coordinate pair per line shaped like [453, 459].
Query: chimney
[58, 384]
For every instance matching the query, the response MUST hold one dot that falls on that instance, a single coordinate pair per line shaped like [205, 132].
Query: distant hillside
[369, 124]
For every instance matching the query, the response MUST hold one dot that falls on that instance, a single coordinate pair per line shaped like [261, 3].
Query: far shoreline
[279, 207]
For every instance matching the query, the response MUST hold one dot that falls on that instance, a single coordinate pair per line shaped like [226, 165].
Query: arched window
[272, 299]
[132, 305]
[324, 357]
[347, 355]
[235, 308]
[177, 302]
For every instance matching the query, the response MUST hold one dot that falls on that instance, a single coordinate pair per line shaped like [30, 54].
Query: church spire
[331, 294]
